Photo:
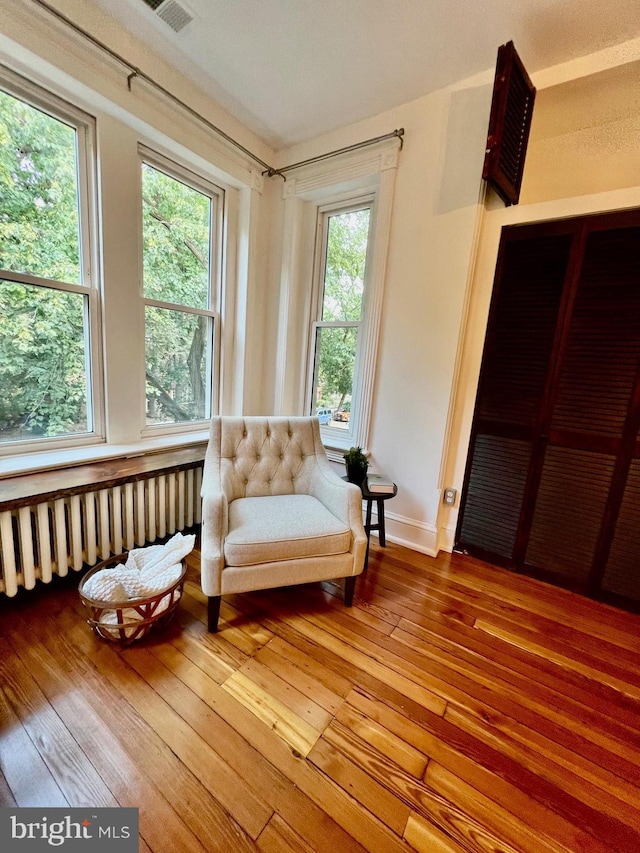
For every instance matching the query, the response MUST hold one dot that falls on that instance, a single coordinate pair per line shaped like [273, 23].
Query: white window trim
[357, 176]
[84, 125]
[179, 171]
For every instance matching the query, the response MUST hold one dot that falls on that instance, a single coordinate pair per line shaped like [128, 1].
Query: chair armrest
[344, 500]
[215, 519]
[340, 497]
[215, 524]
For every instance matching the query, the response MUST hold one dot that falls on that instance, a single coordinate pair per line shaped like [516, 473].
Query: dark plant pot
[356, 474]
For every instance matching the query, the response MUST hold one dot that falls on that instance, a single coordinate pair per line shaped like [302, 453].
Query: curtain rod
[395, 134]
[135, 72]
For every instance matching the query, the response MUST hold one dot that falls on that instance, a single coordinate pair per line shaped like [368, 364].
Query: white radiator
[49, 538]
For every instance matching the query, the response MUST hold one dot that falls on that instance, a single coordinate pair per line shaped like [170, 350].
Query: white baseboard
[417, 535]
[446, 538]
[411, 533]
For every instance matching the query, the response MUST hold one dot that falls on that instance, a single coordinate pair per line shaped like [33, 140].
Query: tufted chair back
[265, 456]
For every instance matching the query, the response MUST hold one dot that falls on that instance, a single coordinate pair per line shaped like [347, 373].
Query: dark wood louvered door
[553, 477]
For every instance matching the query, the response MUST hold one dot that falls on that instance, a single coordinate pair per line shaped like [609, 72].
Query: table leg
[381, 531]
[367, 530]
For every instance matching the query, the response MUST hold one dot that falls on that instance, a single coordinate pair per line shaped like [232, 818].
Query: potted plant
[357, 465]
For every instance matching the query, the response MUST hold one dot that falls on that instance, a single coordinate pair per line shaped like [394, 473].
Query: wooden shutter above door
[509, 125]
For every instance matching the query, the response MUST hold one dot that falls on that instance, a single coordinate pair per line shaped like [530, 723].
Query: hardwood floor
[455, 707]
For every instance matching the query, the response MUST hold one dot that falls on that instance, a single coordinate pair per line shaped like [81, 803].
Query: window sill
[334, 455]
[31, 463]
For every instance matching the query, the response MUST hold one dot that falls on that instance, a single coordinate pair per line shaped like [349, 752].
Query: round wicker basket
[126, 621]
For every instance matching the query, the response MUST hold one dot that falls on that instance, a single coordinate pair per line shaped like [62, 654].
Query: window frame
[89, 267]
[371, 171]
[336, 437]
[180, 172]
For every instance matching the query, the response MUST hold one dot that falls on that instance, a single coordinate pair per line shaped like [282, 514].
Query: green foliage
[42, 358]
[345, 265]
[357, 464]
[175, 232]
[356, 456]
[343, 291]
[337, 349]
[38, 193]
[176, 237]
[43, 380]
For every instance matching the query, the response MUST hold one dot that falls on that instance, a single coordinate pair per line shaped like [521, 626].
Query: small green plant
[357, 465]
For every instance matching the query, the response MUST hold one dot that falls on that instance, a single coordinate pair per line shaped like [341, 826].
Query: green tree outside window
[43, 330]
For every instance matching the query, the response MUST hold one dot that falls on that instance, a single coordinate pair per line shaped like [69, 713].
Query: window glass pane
[335, 356]
[39, 231]
[43, 358]
[177, 353]
[176, 230]
[344, 273]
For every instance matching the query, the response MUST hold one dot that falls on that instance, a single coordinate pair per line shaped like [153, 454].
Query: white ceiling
[293, 69]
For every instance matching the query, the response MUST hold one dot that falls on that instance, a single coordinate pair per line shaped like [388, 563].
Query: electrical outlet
[449, 497]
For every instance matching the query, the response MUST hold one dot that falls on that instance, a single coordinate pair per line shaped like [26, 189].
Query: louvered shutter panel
[601, 358]
[596, 381]
[509, 125]
[522, 327]
[494, 495]
[519, 341]
[622, 575]
[569, 510]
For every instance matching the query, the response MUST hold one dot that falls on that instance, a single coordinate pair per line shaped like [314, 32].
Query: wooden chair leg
[349, 589]
[213, 612]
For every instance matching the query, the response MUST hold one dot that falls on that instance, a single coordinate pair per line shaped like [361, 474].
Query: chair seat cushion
[282, 527]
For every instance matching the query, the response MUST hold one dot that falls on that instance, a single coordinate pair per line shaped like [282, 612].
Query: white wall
[584, 136]
[433, 231]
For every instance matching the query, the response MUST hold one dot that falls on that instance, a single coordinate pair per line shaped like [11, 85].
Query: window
[48, 302]
[337, 221]
[337, 328]
[179, 227]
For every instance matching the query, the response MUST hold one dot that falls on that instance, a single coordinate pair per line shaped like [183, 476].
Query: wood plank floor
[455, 707]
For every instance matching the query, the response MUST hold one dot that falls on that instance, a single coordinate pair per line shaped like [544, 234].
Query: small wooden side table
[379, 498]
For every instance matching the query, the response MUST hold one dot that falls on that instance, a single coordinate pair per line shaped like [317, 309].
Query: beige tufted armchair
[274, 512]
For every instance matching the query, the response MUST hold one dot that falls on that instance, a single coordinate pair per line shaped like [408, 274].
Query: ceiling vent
[172, 13]
[509, 124]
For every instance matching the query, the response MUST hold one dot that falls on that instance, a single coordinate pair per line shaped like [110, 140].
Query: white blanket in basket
[146, 572]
